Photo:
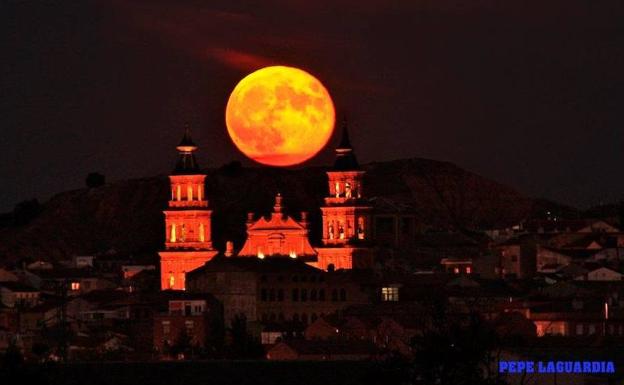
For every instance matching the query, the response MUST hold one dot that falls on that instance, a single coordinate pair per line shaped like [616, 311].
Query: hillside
[125, 216]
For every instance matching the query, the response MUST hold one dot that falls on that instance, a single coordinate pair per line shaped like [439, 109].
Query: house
[192, 315]
[322, 350]
[71, 280]
[17, 294]
[601, 274]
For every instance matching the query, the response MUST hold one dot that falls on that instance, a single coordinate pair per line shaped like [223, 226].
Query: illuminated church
[346, 221]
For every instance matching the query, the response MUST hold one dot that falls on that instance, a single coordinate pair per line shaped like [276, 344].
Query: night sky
[528, 93]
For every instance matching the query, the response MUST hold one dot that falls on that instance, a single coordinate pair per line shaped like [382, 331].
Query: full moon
[280, 116]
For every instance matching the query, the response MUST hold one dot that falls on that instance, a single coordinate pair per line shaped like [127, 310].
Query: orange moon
[280, 116]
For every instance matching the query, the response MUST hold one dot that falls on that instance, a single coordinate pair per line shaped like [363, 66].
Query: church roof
[186, 164]
[345, 156]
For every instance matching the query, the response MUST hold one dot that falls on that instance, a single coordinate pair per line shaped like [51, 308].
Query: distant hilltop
[126, 217]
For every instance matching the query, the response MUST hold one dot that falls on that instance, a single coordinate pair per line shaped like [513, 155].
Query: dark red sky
[527, 93]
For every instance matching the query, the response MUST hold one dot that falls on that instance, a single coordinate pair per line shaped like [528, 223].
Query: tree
[183, 345]
[41, 350]
[455, 350]
[95, 179]
[13, 357]
[243, 344]
[26, 211]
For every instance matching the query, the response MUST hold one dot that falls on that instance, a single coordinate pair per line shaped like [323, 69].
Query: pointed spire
[186, 164]
[345, 156]
[345, 143]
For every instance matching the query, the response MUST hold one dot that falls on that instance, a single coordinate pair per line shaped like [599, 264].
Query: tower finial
[278, 203]
[186, 159]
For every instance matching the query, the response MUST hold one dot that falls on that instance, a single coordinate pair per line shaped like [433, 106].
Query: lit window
[166, 327]
[456, 270]
[75, 286]
[468, 269]
[390, 294]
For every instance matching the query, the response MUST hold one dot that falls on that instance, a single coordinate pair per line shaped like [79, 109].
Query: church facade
[346, 222]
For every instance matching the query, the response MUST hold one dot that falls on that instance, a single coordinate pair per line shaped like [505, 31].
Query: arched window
[334, 295]
[343, 295]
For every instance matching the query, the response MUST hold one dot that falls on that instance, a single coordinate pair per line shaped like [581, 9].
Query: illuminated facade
[346, 215]
[277, 235]
[188, 242]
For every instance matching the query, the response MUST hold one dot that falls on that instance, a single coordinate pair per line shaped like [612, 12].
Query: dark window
[314, 317]
[280, 295]
[321, 295]
[514, 258]
[304, 318]
[384, 225]
[263, 278]
[295, 279]
[263, 295]
[304, 279]
[313, 295]
[334, 295]
[272, 295]
[272, 317]
[280, 278]
[343, 295]
[295, 317]
[280, 316]
[295, 295]
[304, 295]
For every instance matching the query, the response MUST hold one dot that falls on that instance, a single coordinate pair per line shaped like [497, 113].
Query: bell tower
[188, 243]
[346, 214]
